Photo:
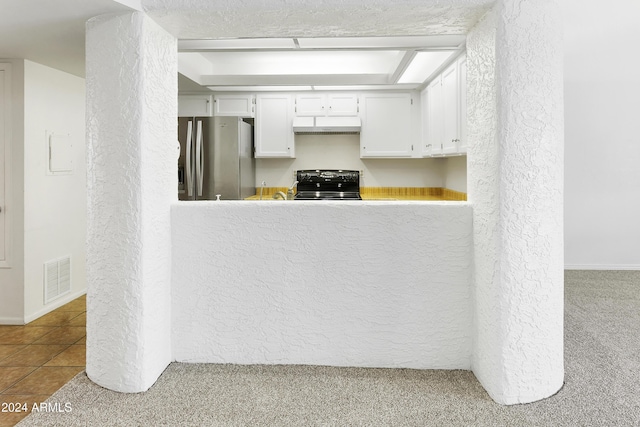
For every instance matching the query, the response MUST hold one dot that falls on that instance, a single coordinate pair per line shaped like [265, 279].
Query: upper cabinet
[386, 125]
[322, 104]
[393, 124]
[274, 125]
[195, 106]
[462, 75]
[445, 112]
[241, 105]
[310, 104]
[343, 104]
[450, 116]
[432, 119]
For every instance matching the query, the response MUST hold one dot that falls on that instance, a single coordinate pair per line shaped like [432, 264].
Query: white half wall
[132, 180]
[602, 132]
[330, 283]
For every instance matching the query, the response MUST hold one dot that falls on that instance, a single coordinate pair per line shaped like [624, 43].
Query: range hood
[326, 125]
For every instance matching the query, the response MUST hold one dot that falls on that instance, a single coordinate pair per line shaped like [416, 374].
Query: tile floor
[40, 357]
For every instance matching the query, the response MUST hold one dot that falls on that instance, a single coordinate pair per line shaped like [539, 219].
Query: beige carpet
[602, 383]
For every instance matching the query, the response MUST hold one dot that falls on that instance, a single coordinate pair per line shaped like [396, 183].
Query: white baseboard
[53, 305]
[602, 267]
[11, 321]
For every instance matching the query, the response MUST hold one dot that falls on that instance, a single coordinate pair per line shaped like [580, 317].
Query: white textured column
[516, 186]
[132, 180]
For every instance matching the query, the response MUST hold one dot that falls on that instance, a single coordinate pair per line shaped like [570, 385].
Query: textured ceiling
[201, 19]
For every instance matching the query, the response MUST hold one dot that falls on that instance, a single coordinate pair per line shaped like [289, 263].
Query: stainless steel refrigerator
[216, 157]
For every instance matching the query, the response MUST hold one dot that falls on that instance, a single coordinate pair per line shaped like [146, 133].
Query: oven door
[328, 195]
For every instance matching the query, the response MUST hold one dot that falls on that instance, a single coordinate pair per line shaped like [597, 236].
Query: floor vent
[57, 279]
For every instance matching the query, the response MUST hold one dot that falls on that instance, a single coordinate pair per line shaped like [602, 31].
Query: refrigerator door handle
[199, 158]
[189, 172]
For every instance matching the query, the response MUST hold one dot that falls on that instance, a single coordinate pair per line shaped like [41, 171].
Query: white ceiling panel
[377, 62]
[235, 44]
[437, 41]
[424, 64]
[303, 62]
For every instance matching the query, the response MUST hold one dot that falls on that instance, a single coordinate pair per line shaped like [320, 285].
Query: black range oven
[328, 184]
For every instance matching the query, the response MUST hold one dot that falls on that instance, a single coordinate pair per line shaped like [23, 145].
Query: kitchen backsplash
[343, 152]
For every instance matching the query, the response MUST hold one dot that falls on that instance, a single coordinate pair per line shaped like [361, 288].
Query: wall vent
[57, 279]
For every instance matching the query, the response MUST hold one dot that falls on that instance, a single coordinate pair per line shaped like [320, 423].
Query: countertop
[385, 194]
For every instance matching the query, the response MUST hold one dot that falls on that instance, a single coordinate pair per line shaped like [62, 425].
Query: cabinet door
[462, 74]
[450, 110]
[310, 105]
[274, 125]
[343, 104]
[194, 106]
[433, 118]
[233, 105]
[386, 125]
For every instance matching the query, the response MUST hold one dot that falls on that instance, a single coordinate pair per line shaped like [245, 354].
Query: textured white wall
[515, 186]
[329, 283]
[55, 206]
[602, 106]
[132, 177]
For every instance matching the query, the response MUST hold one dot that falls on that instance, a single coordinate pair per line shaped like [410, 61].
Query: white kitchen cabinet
[432, 120]
[274, 125]
[241, 105]
[195, 106]
[450, 103]
[462, 76]
[342, 104]
[310, 104]
[445, 117]
[386, 125]
[322, 104]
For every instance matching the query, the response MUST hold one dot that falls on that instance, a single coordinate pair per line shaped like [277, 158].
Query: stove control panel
[328, 180]
[328, 175]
